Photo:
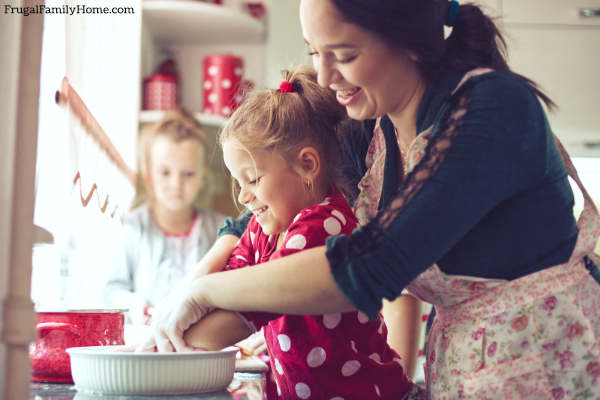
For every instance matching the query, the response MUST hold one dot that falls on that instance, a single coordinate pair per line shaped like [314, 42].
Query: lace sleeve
[370, 235]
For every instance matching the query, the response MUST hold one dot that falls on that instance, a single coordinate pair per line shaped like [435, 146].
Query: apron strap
[588, 202]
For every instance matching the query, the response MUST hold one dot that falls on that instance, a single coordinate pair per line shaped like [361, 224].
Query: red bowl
[60, 330]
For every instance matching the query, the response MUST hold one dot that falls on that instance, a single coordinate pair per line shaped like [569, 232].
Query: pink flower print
[478, 333]
[550, 345]
[498, 319]
[593, 369]
[549, 303]
[477, 286]
[432, 356]
[574, 330]
[520, 323]
[455, 372]
[558, 393]
[491, 350]
[524, 344]
[566, 358]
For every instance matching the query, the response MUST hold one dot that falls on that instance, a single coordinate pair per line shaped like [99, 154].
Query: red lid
[222, 59]
[160, 78]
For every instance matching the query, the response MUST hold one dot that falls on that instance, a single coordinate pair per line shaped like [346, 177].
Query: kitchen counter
[245, 386]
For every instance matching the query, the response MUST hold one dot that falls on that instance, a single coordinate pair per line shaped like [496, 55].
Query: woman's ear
[308, 163]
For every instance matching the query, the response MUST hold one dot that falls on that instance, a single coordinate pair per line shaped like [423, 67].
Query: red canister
[222, 80]
[59, 330]
[160, 92]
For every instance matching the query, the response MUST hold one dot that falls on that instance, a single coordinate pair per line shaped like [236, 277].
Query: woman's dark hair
[418, 26]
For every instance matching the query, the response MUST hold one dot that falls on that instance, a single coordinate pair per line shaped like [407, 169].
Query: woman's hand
[168, 327]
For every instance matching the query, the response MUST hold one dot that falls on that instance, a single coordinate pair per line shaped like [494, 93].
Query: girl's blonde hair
[286, 122]
[177, 125]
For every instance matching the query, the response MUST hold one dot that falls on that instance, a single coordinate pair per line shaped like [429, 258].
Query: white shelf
[147, 116]
[189, 21]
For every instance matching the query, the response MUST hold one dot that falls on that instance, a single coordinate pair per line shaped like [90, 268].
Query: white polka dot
[332, 320]
[278, 367]
[238, 98]
[212, 70]
[399, 361]
[238, 71]
[350, 367]
[339, 215]
[316, 357]
[332, 226]
[226, 110]
[207, 85]
[325, 202]
[375, 357]
[296, 217]
[252, 236]
[226, 83]
[297, 241]
[353, 345]
[278, 390]
[302, 390]
[362, 318]
[377, 391]
[284, 342]
[256, 256]
[241, 258]
[212, 98]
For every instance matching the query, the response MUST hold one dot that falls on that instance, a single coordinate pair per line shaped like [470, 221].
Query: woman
[468, 203]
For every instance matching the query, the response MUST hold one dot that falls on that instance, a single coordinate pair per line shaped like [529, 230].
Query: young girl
[167, 232]
[281, 150]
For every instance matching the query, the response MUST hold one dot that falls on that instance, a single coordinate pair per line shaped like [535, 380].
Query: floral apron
[536, 337]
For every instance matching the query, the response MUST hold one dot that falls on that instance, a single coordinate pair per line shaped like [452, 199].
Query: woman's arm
[219, 329]
[300, 283]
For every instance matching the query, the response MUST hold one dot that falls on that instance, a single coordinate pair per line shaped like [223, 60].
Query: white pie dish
[109, 370]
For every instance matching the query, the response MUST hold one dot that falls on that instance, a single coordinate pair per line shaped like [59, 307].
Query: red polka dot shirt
[338, 356]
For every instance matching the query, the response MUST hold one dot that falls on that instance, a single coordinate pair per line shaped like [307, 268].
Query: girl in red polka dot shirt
[281, 150]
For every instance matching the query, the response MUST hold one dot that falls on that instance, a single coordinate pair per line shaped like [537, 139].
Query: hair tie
[287, 87]
[452, 13]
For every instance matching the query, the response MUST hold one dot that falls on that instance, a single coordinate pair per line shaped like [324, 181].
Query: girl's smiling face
[269, 185]
[370, 77]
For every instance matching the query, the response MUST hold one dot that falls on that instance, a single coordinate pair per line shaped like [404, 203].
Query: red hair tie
[287, 87]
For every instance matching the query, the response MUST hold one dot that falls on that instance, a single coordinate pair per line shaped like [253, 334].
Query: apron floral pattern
[536, 337]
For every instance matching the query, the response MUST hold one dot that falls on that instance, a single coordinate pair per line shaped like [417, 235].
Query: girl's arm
[403, 320]
[216, 258]
[219, 329]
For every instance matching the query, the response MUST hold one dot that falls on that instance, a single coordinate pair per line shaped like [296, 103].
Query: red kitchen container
[222, 80]
[160, 92]
[60, 330]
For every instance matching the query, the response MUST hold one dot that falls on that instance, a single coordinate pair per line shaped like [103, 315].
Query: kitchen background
[106, 58]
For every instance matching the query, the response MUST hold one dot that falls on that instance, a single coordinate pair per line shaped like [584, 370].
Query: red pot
[59, 330]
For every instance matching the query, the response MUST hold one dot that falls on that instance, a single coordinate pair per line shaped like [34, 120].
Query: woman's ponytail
[476, 41]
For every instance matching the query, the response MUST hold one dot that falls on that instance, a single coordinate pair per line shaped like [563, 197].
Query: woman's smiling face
[370, 77]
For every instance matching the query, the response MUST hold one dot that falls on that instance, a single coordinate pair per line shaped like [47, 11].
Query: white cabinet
[187, 31]
[557, 44]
